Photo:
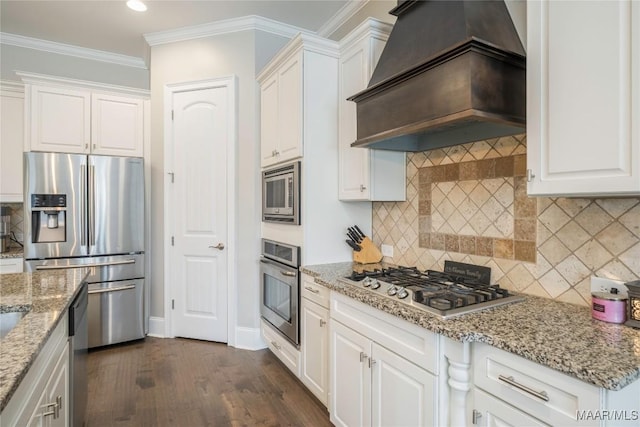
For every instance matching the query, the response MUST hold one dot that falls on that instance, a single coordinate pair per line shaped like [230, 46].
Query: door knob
[219, 246]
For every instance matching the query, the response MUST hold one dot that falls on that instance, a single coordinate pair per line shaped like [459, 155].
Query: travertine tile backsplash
[468, 203]
[17, 218]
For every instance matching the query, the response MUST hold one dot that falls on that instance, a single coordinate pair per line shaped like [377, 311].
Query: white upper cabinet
[288, 97]
[78, 117]
[117, 125]
[11, 142]
[59, 119]
[364, 174]
[583, 97]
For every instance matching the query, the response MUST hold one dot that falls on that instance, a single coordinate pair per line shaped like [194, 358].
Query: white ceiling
[108, 25]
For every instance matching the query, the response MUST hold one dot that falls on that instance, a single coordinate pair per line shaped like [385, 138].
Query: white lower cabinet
[283, 349]
[11, 265]
[539, 393]
[314, 337]
[372, 385]
[493, 412]
[42, 398]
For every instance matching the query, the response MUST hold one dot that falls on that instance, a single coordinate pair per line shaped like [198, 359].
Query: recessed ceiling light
[136, 5]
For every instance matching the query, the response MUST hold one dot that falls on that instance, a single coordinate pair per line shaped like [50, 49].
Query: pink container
[609, 307]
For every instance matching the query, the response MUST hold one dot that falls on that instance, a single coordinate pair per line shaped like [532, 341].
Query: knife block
[369, 253]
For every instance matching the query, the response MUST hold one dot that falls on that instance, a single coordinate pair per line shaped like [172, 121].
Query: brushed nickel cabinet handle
[310, 289]
[542, 395]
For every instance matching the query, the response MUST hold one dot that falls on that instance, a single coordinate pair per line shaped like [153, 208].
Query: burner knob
[375, 284]
[368, 281]
[392, 290]
[403, 293]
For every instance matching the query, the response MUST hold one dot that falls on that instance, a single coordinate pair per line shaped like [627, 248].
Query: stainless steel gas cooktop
[460, 289]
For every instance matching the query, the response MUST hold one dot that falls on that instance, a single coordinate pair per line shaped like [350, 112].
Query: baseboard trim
[156, 327]
[249, 339]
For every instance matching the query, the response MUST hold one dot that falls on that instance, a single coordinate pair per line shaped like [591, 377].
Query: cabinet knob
[530, 175]
[363, 356]
[322, 323]
[372, 362]
[362, 188]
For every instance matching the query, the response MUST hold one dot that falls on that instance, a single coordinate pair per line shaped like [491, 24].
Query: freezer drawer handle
[542, 395]
[98, 264]
[120, 288]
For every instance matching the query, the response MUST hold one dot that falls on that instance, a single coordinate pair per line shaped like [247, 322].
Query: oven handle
[288, 273]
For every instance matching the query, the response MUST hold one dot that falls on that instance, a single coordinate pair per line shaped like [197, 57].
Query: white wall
[232, 54]
[14, 58]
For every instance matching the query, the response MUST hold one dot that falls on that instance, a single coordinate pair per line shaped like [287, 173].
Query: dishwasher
[78, 354]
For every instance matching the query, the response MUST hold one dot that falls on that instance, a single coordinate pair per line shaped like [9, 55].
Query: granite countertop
[14, 251]
[45, 296]
[559, 335]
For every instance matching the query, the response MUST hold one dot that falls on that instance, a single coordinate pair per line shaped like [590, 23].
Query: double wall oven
[280, 288]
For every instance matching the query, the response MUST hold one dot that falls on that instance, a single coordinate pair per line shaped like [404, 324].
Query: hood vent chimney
[451, 72]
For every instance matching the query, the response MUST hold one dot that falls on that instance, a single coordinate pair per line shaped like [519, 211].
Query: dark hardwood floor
[181, 382]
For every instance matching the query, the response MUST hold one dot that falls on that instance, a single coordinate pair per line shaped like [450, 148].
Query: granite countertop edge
[523, 330]
[21, 348]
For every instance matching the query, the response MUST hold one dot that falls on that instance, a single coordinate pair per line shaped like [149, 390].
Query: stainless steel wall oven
[281, 194]
[280, 288]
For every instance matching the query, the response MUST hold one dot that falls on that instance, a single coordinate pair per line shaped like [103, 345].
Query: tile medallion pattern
[563, 241]
[479, 208]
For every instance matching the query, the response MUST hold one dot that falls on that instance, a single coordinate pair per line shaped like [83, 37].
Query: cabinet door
[315, 349]
[290, 112]
[364, 174]
[355, 71]
[350, 403]
[117, 125]
[493, 412]
[60, 119]
[583, 98]
[268, 121]
[401, 393]
[11, 145]
[58, 391]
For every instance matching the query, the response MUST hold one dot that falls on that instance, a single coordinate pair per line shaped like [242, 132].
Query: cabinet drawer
[407, 340]
[548, 395]
[314, 292]
[286, 352]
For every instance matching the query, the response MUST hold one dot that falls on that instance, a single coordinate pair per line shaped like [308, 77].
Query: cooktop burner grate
[442, 293]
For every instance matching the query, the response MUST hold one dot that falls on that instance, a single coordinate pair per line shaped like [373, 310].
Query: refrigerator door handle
[83, 205]
[92, 205]
[120, 288]
[97, 264]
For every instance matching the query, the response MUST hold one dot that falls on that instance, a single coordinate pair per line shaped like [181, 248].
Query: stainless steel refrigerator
[88, 211]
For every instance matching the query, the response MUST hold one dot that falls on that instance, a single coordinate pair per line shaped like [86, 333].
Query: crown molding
[35, 78]
[70, 50]
[227, 26]
[11, 86]
[370, 27]
[341, 17]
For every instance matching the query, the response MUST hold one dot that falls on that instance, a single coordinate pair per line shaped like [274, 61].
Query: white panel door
[350, 403]
[199, 203]
[402, 394]
[60, 120]
[117, 125]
